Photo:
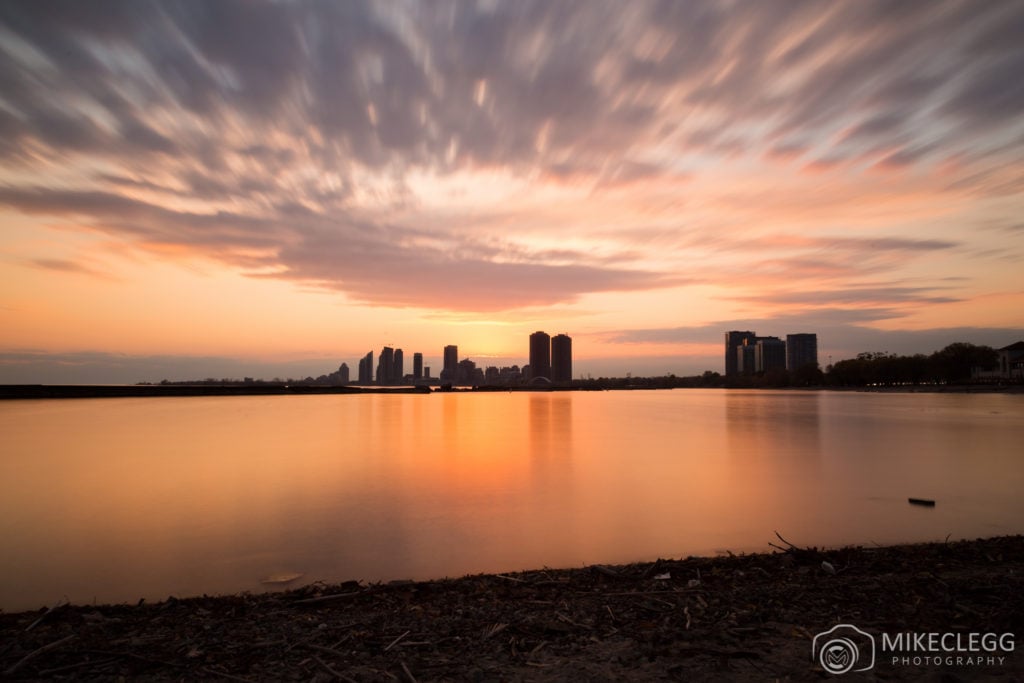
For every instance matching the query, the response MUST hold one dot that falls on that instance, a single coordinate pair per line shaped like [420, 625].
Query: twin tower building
[550, 358]
[550, 363]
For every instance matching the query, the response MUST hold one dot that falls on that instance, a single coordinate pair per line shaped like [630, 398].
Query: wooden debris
[48, 612]
[396, 641]
[750, 617]
[38, 651]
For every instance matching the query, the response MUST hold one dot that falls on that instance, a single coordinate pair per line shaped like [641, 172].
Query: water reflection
[126, 498]
[775, 446]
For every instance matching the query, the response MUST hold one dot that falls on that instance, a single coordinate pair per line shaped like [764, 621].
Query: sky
[219, 189]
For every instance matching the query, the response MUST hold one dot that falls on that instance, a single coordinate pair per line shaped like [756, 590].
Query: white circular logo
[838, 655]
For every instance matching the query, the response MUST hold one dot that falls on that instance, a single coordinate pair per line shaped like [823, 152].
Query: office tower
[734, 353]
[540, 355]
[343, 373]
[769, 354]
[561, 358]
[385, 365]
[398, 373]
[451, 363]
[801, 350]
[366, 369]
[417, 365]
[426, 372]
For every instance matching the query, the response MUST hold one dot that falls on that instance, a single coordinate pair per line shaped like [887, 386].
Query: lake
[113, 500]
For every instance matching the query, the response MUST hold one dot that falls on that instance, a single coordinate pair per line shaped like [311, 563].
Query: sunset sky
[192, 189]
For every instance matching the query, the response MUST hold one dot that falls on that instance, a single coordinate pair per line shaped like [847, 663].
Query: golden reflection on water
[119, 499]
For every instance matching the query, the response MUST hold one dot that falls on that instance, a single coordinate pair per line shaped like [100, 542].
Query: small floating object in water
[282, 578]
[921, 501]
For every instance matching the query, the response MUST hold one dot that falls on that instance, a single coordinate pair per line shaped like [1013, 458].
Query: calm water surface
[112, 500]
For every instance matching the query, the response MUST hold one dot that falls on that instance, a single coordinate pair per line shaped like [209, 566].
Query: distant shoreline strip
[45, 391]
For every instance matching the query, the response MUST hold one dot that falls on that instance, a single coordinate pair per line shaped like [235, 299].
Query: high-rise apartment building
[734, 353]
[561, 358]
[398, 368]
[366, 369]
[343, 373]
[769, 354]
[746, 356]
[417, 365]
[386, 366]
[801, 350]
[450, 371]
[540, 355]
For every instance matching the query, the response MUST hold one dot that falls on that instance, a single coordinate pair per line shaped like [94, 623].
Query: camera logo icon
[844, 648]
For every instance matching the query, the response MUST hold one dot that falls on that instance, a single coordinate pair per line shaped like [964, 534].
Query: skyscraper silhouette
[386, 366]
[417, 365]
[366, 369]
[769, 354]
[540, 355]
[733, 342]
[561, 358]
[801, 350]
[451, 363]
[398, 369]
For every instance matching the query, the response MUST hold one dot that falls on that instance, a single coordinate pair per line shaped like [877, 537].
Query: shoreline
[742, 617]
[11, 392]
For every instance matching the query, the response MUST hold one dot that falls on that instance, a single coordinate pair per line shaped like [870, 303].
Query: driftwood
[328, 598]
[38, 651]
[803, 554]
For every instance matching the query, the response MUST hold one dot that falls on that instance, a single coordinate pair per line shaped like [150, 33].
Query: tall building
[417, 365]
[734, 353]
[450, 371]
[343, 373]
[398, 371]
[540, 355]
[769, 354]
[561, 358]
[366, 369]
[385, 366]
[801, 350]
[746, 357]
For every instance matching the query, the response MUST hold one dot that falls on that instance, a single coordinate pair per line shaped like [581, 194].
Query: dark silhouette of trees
[807, 375]
[954, 363]
[951, 365]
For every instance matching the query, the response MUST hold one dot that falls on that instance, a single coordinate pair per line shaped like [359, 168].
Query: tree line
[952, 365]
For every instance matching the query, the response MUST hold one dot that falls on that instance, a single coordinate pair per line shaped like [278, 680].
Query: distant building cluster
[550, 363]
[748, 354]
[390, 368]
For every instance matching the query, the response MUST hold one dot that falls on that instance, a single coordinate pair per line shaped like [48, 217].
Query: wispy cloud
[68, 266]
[289, 140]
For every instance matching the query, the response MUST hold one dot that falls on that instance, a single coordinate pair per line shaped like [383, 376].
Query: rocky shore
[748, 617]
